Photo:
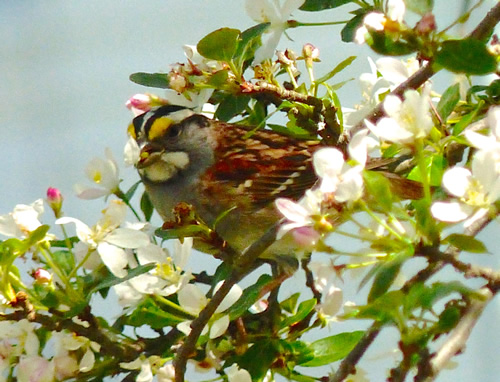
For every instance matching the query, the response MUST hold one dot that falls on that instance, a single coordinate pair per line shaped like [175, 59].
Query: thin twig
[243, 266]
[456, 341]
[482, 31]
[348, 364]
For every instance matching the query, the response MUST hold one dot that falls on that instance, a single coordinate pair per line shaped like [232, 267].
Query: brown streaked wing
[267, 166]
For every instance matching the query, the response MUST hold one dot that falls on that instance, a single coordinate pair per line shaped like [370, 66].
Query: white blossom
[385, 75]
[271, 11]
[475, 190]
[491, 141]
[165, 279]
[107, 239]
[344, 181]
[104, 174]
[23, 220]
[406, 120]
[193, 300]
[235, 374]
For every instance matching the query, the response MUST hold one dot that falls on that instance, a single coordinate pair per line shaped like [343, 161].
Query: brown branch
[484, 29]
[455, 343]
[348, 364]
[245, 264]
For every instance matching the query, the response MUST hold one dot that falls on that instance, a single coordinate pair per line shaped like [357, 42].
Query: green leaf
[152, 80]
[334, 348]
[305, 307]
[448, 101]
[289, 304]
[467, 119]
[349, 30]
[249, 297]
[150, 314]
[426, 296]
[449, 318]
[259, 357]
[378, 188]
[37, 235]
[435, 164]
[468, 56]
[111, 279]
[291, 130]
[341, 66]
[147, 207]
[250, 41]
[131, 191]
[383, 43]
[466, 243]
[65, 260]
[231, 106]
[320, 5]
[384, 278]
[420, 7]
[384, 309]
[218, 79]
[220, 44]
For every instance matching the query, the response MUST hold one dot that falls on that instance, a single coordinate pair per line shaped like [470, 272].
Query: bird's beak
[148, 155]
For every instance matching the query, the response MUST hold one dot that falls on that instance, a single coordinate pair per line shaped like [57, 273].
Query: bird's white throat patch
[165, 166]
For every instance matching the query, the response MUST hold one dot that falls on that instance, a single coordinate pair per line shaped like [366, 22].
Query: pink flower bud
[306, 237]
[55, 199]
[42, 276]
[309, 51]
[139, 103]
[427, 24]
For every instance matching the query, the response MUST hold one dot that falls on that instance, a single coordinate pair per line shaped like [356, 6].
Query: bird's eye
[174, 131]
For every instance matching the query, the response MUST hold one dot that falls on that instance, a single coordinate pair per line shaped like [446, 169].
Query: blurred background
[64, 68]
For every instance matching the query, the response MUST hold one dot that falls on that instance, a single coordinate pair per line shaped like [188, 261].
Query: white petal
[258, 10]
[480, 141]
[457, 181]
[151, 253]
[388, 129]
[396, 10]
[290, 6]
[351, 187]
[89, 193]
[192, 299]
[233, 296]
[292, 211]
[235, 374]
[182, 252]
[328, 162]
[114, 258]
[219, 327]
[450, 211]
[494, 121]
[268, 47]
[392, 105]
[8, 226]
[87, 362]
[131, 152]
[127, 238]
[83, 231]
[484, 169]
[392, 69]
[333, 301]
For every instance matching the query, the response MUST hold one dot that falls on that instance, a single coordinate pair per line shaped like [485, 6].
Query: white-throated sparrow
[222, 170]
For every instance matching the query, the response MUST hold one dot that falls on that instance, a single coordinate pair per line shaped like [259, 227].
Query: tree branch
[245, 264]
[458, 337]
[348, 364]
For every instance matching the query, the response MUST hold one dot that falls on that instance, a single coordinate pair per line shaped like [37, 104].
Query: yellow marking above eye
[159, 127]
[131, 131]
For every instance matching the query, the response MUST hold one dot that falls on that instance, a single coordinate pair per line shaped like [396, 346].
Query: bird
[231, 175]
